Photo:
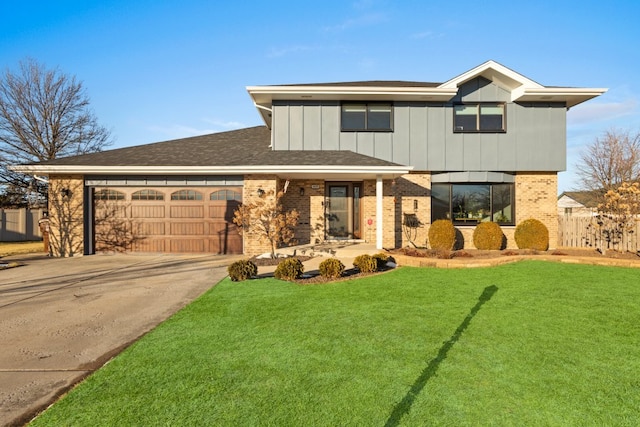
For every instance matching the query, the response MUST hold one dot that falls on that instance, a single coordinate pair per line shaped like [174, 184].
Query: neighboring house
[577, 203]
[355, 158]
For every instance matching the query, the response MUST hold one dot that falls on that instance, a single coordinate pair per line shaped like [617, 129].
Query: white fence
[18, 225]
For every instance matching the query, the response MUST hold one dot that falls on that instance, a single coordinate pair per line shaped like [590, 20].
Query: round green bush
[289, 269]
[365, 263]
[242, 270]
[488, 236]
[442, 235]
[331, 268]
[532, 234]
[381, 260]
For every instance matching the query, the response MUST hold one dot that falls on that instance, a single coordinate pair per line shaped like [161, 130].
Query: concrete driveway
[63, 318]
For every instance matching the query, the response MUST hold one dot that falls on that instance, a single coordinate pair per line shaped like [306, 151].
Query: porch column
[379, 212]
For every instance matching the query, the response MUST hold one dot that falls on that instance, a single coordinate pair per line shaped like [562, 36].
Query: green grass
[530, 343]
[19, 248]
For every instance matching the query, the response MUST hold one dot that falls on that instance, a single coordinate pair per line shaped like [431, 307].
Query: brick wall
[252, 183]
[310, 206]
[66, 215]
[537, 197]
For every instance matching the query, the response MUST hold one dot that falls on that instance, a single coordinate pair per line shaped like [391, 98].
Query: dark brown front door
[342, 210]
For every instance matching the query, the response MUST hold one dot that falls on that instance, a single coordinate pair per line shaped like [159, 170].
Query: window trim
[237, 196]
[147, 193]
[109, 194]
[367, 106]
[475, 221]
[185, 196]
[479, 105]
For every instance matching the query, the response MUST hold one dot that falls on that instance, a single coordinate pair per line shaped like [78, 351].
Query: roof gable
[521, 88]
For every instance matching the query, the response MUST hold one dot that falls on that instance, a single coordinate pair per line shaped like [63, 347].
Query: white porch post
[379, 212]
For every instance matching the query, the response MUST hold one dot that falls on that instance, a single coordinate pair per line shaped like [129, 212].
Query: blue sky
[158, 70]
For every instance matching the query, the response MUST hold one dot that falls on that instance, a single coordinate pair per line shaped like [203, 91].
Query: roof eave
[289, 170]
[570, 96]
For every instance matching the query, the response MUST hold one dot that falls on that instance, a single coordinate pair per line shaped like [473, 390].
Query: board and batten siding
[423, 137]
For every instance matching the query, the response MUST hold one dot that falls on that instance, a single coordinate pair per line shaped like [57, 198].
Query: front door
[342, 210]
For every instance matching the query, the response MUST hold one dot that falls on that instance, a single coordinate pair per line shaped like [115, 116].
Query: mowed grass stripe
[556, 344]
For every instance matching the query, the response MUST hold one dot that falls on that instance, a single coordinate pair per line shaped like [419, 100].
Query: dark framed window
[470, 204]
[226, 195]
[147, 195]
[485, 117]
[108, 194]
[362, 116]
[186, 195]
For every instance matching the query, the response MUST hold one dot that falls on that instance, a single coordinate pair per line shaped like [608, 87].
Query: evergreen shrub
[289, 269]
[365, 263]
[532, 234]
[488, 236]
[331, 268]
[242, 270]
[442, 235]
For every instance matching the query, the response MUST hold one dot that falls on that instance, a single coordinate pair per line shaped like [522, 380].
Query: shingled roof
[243, 147]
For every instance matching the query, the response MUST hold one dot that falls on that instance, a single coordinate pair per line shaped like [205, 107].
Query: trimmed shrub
[488, 236]
[532, 234]
[442, 235]
[381, 260]
[242, 270]
[331, 268]
[289, 269]
[365, 263]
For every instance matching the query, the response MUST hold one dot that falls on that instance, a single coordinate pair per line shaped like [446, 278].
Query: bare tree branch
[44, 114]
[609, 161]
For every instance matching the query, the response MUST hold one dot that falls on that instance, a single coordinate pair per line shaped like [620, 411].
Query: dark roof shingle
[242, 147]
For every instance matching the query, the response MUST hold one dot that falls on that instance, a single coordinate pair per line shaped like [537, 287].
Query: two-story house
[356, 159]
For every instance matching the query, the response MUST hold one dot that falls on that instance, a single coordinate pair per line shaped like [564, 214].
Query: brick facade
[66, 215]
[537, 197]
[535, 194]
[252, 183]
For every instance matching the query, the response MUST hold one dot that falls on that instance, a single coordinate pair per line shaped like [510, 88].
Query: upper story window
[364, 116]
[478, 118]
[108, 194]
[186, 195]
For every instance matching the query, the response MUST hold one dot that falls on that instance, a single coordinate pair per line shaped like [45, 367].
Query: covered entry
[343, 213]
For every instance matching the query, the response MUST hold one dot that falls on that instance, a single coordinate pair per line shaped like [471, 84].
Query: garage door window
[108, 195]
[226, 195]
[147, 195]
[186, 195]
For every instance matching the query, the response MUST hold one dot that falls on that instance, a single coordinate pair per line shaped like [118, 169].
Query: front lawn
[530, 343]
[20, 248]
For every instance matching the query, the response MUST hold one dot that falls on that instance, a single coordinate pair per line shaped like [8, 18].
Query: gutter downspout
[379, 218]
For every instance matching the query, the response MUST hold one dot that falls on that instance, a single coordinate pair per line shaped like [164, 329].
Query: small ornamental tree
[617, 217]
[267, 220]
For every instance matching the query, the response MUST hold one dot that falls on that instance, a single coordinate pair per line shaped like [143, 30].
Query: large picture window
[469, 204]
[366, 117]
[478, 118]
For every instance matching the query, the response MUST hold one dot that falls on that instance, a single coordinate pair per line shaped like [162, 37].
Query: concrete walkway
[63, 318]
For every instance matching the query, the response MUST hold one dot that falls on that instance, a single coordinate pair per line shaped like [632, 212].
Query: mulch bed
[481, 254]
[316, 278]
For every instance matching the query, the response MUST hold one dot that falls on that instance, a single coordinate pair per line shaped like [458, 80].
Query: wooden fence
[583, 232]
[17, 225]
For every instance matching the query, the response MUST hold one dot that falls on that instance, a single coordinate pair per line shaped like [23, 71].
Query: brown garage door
[167, 219]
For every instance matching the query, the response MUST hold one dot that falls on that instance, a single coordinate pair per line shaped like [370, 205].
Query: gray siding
[423, 135]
